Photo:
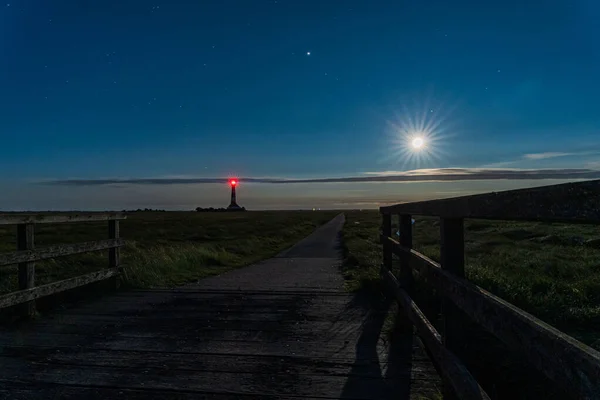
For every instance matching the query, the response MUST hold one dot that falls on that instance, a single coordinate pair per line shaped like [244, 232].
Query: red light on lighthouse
[233, 182]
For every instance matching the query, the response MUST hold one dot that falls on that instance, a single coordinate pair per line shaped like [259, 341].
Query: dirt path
[282, 328]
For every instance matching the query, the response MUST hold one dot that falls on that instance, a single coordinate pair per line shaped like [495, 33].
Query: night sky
[109, 104]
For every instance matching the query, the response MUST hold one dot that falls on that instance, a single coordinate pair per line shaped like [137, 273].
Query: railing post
[387, 232]
[405, 228]
[452, 257]
[25, 241]
[405, 276]
[114, 253]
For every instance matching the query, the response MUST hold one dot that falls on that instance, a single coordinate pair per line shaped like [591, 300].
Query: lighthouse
[233, 206]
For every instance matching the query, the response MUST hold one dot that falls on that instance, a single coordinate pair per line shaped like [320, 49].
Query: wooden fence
[567, 362]
[27, 254]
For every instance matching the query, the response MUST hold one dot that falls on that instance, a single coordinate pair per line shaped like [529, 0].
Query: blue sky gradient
[211, 89]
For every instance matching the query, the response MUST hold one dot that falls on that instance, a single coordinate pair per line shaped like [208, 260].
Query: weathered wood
[25, 242]
[60, 250]
[570, 202]
[453, 371]
[26, 295]
[386, 228]
[564, 360]
[405, 324]
[18, 218]
[452, 255]
[405, 229]
[114, 253]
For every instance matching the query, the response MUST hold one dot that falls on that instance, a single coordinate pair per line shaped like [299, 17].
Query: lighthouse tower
[233, 206]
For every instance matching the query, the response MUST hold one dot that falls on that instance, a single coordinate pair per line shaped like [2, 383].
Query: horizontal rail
[23, 296]
[58, 251]
[464, 384]
[557, 355]
[570, 203]
[17, 218]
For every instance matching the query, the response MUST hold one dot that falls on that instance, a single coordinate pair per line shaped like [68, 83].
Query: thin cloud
[425, 175]
[543, 156]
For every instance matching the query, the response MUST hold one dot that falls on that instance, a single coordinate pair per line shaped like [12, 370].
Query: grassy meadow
[169, 248]
[549, 270]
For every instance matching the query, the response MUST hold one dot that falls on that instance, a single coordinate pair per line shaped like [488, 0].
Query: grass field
[546, 269]
[169, 248]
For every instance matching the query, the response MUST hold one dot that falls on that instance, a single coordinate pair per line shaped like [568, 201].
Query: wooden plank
[452, 255]
[275, 383]
[570, 202]
[18, 218]
[564, 360]
[60, 250]
[22, 296]
[453, 371]
[40, 391]
[212, 362]
[25, 242]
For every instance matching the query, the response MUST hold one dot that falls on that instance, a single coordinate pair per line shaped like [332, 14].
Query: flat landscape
[169, 248]
[550, 270]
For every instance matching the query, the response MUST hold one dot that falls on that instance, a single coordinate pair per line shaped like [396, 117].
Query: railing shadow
[379, 371]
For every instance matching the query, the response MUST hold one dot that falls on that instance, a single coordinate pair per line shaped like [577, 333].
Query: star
[498, 70]
[7, 4]
[308, 53]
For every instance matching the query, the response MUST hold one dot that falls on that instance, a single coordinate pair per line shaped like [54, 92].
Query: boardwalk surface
[283, 328]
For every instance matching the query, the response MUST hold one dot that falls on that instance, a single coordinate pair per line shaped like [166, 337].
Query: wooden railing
[565, 361]
[26, 255]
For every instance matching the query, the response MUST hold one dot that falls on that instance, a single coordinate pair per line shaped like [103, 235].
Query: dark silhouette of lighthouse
[234, 205]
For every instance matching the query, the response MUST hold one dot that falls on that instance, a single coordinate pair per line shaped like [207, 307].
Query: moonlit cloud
[542, 156]
[421, 175]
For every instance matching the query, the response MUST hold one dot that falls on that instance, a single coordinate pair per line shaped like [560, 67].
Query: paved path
[283, 328]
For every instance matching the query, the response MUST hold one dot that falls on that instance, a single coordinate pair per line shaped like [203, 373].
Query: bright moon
[417, 143]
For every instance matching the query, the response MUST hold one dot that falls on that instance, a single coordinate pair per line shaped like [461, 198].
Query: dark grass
[169, 248]
[549, 270]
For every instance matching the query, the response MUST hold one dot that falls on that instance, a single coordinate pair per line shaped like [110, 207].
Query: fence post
[25, 241]
[405, 276]
[405, 228]
[387, 232]
[452, 257]
[114, 253]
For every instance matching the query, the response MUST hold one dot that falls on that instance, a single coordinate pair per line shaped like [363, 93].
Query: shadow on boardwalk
[389, 354]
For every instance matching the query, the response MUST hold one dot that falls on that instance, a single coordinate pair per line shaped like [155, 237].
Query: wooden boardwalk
[283, 328]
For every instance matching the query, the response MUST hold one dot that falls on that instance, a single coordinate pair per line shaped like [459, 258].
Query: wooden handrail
[27, 254]
[554, 353]
[563, 360]
[24, 296]
[452, 368]
[60, 250]
[17, 218]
